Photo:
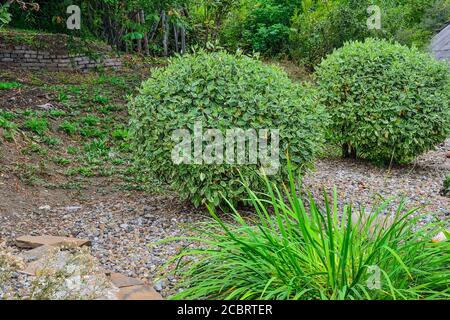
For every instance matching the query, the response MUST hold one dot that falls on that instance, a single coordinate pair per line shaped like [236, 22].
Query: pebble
[73, 208]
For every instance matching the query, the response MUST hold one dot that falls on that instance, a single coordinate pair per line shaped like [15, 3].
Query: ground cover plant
[76, 133]
[388, 103]
[298, 248]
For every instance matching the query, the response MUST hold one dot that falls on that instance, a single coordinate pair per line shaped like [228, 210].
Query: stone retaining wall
[22, 56]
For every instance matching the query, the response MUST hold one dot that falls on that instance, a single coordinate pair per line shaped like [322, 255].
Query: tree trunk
[165, 24]
[139, 41]
[348, 151]
[175, 35]
[183, 40]
[146, 49]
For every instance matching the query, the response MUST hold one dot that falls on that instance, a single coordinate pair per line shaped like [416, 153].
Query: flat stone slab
[31, 242]
[142, 292]
[121, 281]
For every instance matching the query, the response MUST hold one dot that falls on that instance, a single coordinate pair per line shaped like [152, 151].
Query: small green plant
[68, 127]
[89, 120]
[72, 150]
[100, 99]
[9, 85]
[74, 89]
[388, 103]
[51, 141]
[91, 132]
[9, 135]
[120, 134]
[7, 115]
[62, 97]
[109, 108]
[84, 171]
[97, 147]
[29, 173]
[6, 124]
[289, 250]
[107, 79]
[57, 113]
[5, 16]
[61, 161]
[29, 113]
[35, 148]
[37, 125]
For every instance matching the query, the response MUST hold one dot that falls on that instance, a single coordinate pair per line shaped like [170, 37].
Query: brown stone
[121, 281]
[138, 293]
[37, 241]
[448, 154]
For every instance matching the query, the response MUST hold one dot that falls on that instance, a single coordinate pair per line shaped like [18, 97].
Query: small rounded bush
[387, 102]
[222, 92]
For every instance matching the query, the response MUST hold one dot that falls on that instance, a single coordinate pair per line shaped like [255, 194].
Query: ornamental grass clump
[217, 92]
[388, 103]
[291, 249]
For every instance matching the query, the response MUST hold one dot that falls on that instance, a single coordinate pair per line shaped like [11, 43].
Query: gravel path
[362, 183]
[121, 227]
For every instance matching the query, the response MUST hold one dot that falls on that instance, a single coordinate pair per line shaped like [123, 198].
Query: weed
[37, 125]
[61, 161]
[62, 97]
[57, 113]
[51, 141]
[6, 124]
[97, 147]
[7, 115]
[9, 85]
[68, 127]
[84, 171]
[100, 99]
[120, 134]
[72, 150]
[90, 120]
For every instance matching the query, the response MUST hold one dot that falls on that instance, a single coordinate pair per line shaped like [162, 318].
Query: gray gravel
[364, 184]
[121, 227]
[121, 230]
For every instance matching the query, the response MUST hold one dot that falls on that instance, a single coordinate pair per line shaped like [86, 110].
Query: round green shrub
[221, 91]
[387, 102]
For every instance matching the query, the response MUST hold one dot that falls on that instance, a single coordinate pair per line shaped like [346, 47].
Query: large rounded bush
[221, 91]
[388, 103]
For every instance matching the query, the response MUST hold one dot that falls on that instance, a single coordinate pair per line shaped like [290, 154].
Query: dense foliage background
[305, 30]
